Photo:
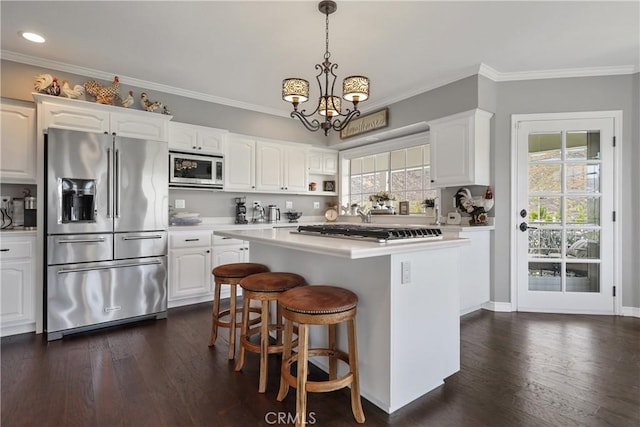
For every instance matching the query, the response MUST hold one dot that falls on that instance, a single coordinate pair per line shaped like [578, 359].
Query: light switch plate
[288, 204]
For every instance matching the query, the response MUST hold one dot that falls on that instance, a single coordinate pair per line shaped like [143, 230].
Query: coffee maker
[30, 211]
[241, 210]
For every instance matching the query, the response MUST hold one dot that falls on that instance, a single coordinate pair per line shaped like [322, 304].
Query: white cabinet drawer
[189, 240]
[221, 240]
[14, 250]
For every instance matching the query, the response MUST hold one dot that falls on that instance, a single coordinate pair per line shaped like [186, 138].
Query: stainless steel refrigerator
[106, 227]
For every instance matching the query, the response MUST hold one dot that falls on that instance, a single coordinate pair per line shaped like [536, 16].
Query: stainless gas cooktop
[372, 233]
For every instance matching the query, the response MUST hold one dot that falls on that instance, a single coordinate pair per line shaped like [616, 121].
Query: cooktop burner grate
[372, 233]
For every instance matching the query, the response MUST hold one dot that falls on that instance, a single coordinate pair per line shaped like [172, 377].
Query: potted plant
[382, 198]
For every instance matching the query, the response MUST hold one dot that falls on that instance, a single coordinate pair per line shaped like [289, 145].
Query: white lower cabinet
[190, 278]
[17, 285]
[192, 256]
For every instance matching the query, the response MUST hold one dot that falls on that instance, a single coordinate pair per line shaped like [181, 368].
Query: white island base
[408, 325]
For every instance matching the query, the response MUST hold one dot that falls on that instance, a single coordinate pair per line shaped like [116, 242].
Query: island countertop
[345, 248]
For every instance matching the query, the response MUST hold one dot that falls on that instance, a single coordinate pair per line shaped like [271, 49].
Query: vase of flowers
[382, 198]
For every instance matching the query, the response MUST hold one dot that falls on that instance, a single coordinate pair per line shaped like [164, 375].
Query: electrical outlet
[406, 272]
[180, 204]
[288, 204]
[316, 205]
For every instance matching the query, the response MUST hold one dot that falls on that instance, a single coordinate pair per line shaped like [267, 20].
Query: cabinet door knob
[208, 251]
[194, 147]
[199, 148]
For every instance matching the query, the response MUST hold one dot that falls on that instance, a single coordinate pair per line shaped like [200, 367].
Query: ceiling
[237, 52]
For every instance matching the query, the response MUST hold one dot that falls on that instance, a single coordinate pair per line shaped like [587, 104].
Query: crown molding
[481, 69]
[498, 76]
[97, 74]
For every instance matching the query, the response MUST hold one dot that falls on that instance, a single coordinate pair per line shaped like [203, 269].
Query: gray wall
[569, 95]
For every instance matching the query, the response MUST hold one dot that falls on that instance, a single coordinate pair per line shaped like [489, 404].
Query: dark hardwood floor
[518, 369]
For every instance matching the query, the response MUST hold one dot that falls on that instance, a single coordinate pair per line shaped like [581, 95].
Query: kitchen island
[408, 323]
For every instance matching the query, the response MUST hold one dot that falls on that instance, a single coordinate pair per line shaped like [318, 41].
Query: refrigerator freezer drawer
[143, 244]
[81, 295]
[72, 248]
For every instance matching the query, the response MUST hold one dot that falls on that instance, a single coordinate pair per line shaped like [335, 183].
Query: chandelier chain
[327, 54]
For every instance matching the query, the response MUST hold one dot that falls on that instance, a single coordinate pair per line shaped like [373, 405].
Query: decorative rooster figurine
[46, 83]
[128, 101]
[152, 105]
[69, 92]
[477, 207]
[103, 94]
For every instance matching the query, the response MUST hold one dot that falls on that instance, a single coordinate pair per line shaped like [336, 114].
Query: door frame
[616, 115]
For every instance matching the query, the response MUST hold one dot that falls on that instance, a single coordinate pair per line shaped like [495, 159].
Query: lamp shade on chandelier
[355, 89]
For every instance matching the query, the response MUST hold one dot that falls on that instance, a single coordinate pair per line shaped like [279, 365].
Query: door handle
[107, 267]
[524, 227]
[117, 183]
[155, 236]
[109, 186]
[98, 240]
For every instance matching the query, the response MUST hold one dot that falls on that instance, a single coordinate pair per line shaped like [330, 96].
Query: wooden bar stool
[319, 305]
[263, 287]
[231, 274]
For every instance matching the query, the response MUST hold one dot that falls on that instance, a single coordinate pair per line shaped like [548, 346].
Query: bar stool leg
[333, 361]
[286, 354]
[244, 332]
[232, 321]
[264, 346]
[214, 315]
[301, 387]
[356, 403]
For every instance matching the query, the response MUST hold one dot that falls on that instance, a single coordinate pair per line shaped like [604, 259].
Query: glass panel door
[565, 182]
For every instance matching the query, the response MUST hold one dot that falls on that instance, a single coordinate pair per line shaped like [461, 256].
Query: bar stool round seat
[231, 274]
[264, 287]
[319, 305]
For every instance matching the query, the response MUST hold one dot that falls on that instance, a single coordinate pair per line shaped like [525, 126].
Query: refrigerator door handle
[98, 240]
[107, 267]
[109, 186]
[117, 182]
[155, 236]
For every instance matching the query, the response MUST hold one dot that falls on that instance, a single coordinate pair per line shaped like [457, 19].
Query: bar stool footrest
[318, 386]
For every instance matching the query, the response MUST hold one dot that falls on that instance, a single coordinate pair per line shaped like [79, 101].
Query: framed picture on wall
[328, 186]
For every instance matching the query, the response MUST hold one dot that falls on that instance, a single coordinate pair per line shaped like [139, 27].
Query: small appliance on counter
[6, 213]
[241, 210]
[273, 213]
[258, 214]
[30, 211]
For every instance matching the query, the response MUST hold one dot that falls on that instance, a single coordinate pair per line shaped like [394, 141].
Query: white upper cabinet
[196, 139]
[86, 116]
[460, 149]
[281, 167]
[240, 163]
[323, 162]
[17, 143]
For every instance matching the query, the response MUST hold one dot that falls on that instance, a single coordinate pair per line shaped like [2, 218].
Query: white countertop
[18, 233]
[345, 248]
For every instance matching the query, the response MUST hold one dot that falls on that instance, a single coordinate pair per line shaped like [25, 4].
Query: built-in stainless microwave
[188, 170]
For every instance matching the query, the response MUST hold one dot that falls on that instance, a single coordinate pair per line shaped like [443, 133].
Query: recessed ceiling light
[32, 37]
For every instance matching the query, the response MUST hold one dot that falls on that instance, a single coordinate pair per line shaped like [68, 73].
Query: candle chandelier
[354, 89]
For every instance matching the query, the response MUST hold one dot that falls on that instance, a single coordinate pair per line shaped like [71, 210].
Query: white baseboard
[631, 311]
[505, 307]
